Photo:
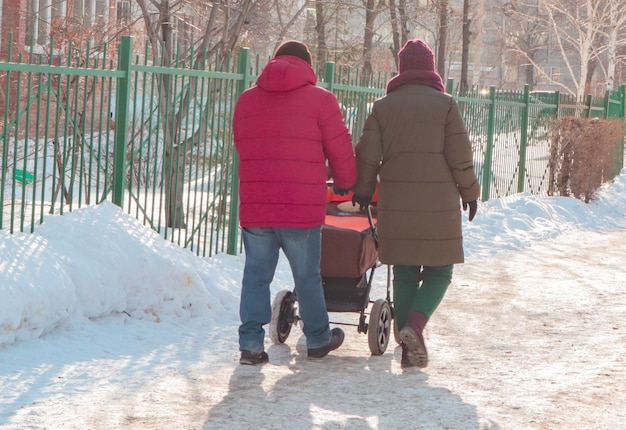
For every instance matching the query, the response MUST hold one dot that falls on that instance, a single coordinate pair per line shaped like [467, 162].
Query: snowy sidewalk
[527, 339]
[104, 325]
[537, 338]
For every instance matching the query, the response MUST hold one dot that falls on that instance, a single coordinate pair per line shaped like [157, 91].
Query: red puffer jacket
[285, 128]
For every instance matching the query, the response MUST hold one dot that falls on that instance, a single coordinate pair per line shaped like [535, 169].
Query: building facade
[32, 23]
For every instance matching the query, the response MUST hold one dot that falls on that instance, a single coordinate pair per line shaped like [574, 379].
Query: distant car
[545, 96]
[508, 111]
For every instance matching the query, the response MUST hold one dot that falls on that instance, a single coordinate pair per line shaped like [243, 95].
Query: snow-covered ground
[104, 325]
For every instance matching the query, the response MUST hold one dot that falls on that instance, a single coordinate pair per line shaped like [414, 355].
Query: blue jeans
[302, 247]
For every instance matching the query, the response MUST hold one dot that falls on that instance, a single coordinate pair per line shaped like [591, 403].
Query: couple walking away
[289, 133]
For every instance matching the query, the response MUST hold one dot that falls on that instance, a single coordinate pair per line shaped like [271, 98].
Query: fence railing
[154, 137]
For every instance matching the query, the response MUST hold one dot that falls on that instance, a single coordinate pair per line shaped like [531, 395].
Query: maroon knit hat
[416, 55]
[295, 48]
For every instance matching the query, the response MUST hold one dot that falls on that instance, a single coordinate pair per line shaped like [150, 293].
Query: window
[90, 12]
[183, 32]
[123, 13]
[44, 15]
[83, 11]
[39, 17]
[555, 74]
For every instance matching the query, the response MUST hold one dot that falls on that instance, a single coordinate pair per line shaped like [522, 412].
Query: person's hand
[340, 191]
[473, 207]
[362, 201]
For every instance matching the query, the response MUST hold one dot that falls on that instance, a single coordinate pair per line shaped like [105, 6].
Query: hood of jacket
[286, 73]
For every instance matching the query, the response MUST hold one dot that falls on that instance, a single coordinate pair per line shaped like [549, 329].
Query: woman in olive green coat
[415, 144]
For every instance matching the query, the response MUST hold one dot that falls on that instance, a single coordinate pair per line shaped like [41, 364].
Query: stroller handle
[370, 218]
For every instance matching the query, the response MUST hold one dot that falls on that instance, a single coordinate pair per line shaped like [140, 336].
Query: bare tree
[443, 38]
[372, 9]
[526, 35]
[574, 27]
[286, 20]
[218, 32]
[615, 16]
[399, 30]
[320, 29]
[395, 29]
[571, 32]
[478, 15]
[466, 42]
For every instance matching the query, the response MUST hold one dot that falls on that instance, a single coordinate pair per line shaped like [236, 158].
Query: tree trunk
[404, 19]
[465, 48]
[443, 38]
[615, 23]
[320, 28]
[162, 36]
[394, 31]
[591, 68]
[174, 186]
[479, 13]
[370, 17]
[530, 72]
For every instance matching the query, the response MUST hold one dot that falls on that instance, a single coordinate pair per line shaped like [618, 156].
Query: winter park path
[531, 339]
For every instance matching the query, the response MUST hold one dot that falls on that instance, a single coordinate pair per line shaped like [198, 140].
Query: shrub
[583, 155]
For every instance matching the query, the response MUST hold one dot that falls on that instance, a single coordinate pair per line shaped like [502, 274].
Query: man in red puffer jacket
[285, 130]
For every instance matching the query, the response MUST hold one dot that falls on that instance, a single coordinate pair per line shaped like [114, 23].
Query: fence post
[557, 102]
[4, 141]
[329, 75]
[122, 97]
[589, 105]
[521, 165]
[622, 114]
[450, 86]
[233, 218]
[486, 180]
[607, 103]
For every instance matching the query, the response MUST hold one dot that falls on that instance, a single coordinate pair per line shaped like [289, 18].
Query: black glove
[340, 191]
[473, 207]
[362, 201]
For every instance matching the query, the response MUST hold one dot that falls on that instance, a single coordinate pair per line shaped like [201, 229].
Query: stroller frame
[345, 293]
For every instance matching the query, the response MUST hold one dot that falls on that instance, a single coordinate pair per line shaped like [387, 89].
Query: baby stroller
[349, 260]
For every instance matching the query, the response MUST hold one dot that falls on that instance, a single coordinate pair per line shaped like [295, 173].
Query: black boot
[336, 339]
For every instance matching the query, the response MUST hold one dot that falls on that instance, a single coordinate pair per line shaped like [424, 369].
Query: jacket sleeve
[369, 152]
[337, 143]
[458, 153]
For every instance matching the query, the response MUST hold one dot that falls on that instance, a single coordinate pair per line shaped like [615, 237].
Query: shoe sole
[329, 346]
[249, 362]
[254, 359]
[416, 356]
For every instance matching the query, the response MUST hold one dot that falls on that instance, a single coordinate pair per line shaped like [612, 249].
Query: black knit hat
[295, 48]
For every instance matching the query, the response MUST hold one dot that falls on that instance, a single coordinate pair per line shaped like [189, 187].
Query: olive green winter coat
[415, 141]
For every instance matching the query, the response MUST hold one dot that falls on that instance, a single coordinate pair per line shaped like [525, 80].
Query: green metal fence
[55, 135]
[510, 133]
[154, 137]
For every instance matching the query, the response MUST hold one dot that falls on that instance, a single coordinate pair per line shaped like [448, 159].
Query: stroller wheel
[283, 316]
[379, 327]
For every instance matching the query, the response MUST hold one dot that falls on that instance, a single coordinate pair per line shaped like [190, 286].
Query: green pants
[418, 288]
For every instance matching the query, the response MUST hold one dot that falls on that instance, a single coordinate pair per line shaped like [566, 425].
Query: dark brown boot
[413, 340]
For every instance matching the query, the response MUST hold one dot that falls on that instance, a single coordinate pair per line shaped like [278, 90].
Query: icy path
[531, 339]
